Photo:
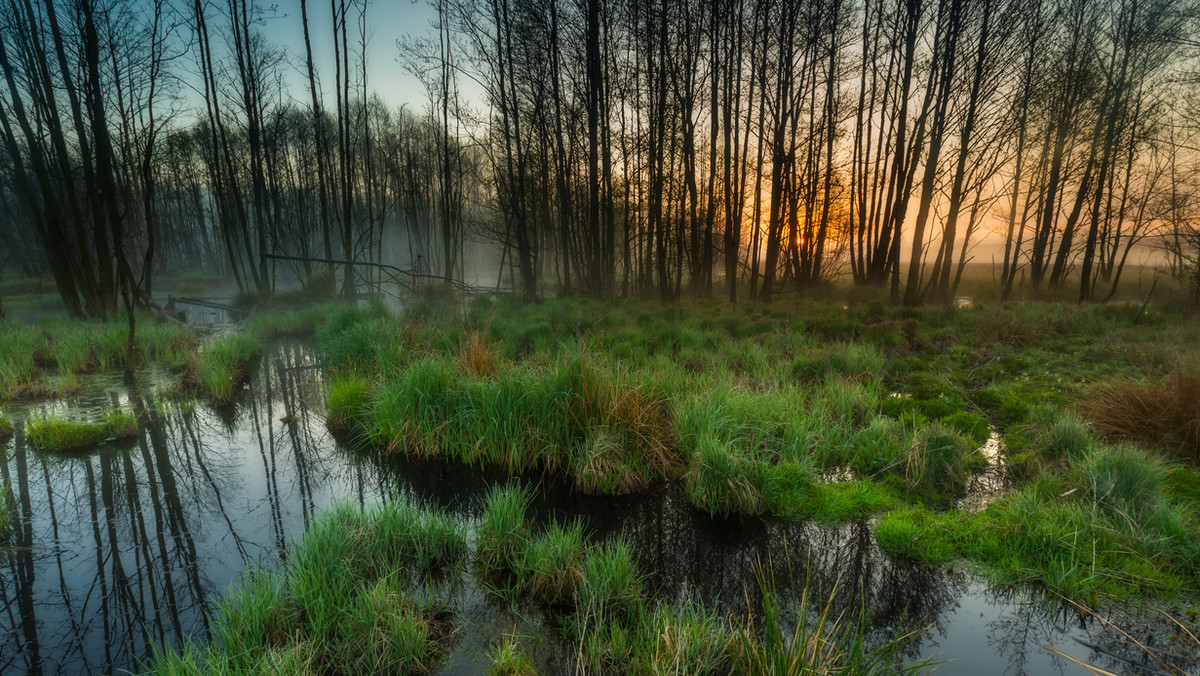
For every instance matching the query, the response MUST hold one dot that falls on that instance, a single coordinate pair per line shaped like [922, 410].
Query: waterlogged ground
[130, 545]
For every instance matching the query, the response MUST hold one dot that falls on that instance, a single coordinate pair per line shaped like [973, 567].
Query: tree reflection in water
[131, 544]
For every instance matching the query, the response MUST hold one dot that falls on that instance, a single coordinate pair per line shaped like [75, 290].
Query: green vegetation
[55, 433]
[48, 359]
[346, 398]
[508, 660]
[222, 367]
[6, 429]
[619, 630]
[1107, 522]
[616, 628]
[819, 641]
[805, 410]
[356, 596]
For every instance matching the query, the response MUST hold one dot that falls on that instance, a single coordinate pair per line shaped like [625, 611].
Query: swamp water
[131, 545]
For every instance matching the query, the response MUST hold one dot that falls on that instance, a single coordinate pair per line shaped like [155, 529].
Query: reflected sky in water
[130, 545]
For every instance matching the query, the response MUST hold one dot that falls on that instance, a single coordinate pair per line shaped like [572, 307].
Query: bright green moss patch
[915, 533]
[844, 500]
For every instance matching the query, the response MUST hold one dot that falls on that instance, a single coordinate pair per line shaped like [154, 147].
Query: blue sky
[387, 21]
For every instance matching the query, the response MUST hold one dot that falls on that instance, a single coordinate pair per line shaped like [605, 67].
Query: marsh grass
[606, 429]
[503, 534]
[610, 585]
[788, 411]
[939, 460]
[222, 368]
[30, 356]
[508, 659]
[1163, 414]
[552, 564]
[818, 642]
[475, 358]
[55, 433]
[346, 398]
[346, 602]
[1106, 527]
[7, 429]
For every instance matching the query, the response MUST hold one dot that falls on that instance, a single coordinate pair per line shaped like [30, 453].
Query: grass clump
[502, 532]
[346, 602]
[817, 642]
[552, 564]
[55, 433]
[610, 585]
[607, 431]
[223, 366]
[1165, 414]
[941, 461]
[7, 429]
[849, 360]
[509, 660]
[913, 533]
[346, 399]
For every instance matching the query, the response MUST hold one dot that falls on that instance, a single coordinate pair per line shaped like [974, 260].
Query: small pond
[130, 545]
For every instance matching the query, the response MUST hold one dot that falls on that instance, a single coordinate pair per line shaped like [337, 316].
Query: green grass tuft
[347, 398]
[503, 534]
[55, 433]
[509, 660]
[223, 366]
[347, 601]
[552, 564]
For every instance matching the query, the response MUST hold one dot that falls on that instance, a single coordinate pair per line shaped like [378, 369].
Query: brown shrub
[1164, 414]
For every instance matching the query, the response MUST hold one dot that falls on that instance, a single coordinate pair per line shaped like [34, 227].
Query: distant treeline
[607, 147]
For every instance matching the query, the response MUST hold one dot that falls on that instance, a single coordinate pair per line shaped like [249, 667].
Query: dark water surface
[125, 547]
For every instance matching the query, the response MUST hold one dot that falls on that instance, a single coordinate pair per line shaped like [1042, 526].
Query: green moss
[916, 533]
[845, 500]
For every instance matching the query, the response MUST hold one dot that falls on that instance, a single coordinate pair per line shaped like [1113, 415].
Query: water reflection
[131, 545]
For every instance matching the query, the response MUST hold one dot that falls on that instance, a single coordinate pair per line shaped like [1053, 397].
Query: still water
[129, 546]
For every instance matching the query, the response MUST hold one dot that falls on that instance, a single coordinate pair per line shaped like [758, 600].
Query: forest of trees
[641, 148]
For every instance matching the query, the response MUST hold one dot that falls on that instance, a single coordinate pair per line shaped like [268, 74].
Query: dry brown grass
[1162, 415]
[475, 358]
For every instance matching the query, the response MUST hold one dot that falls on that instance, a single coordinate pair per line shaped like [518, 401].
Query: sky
[387, 22]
